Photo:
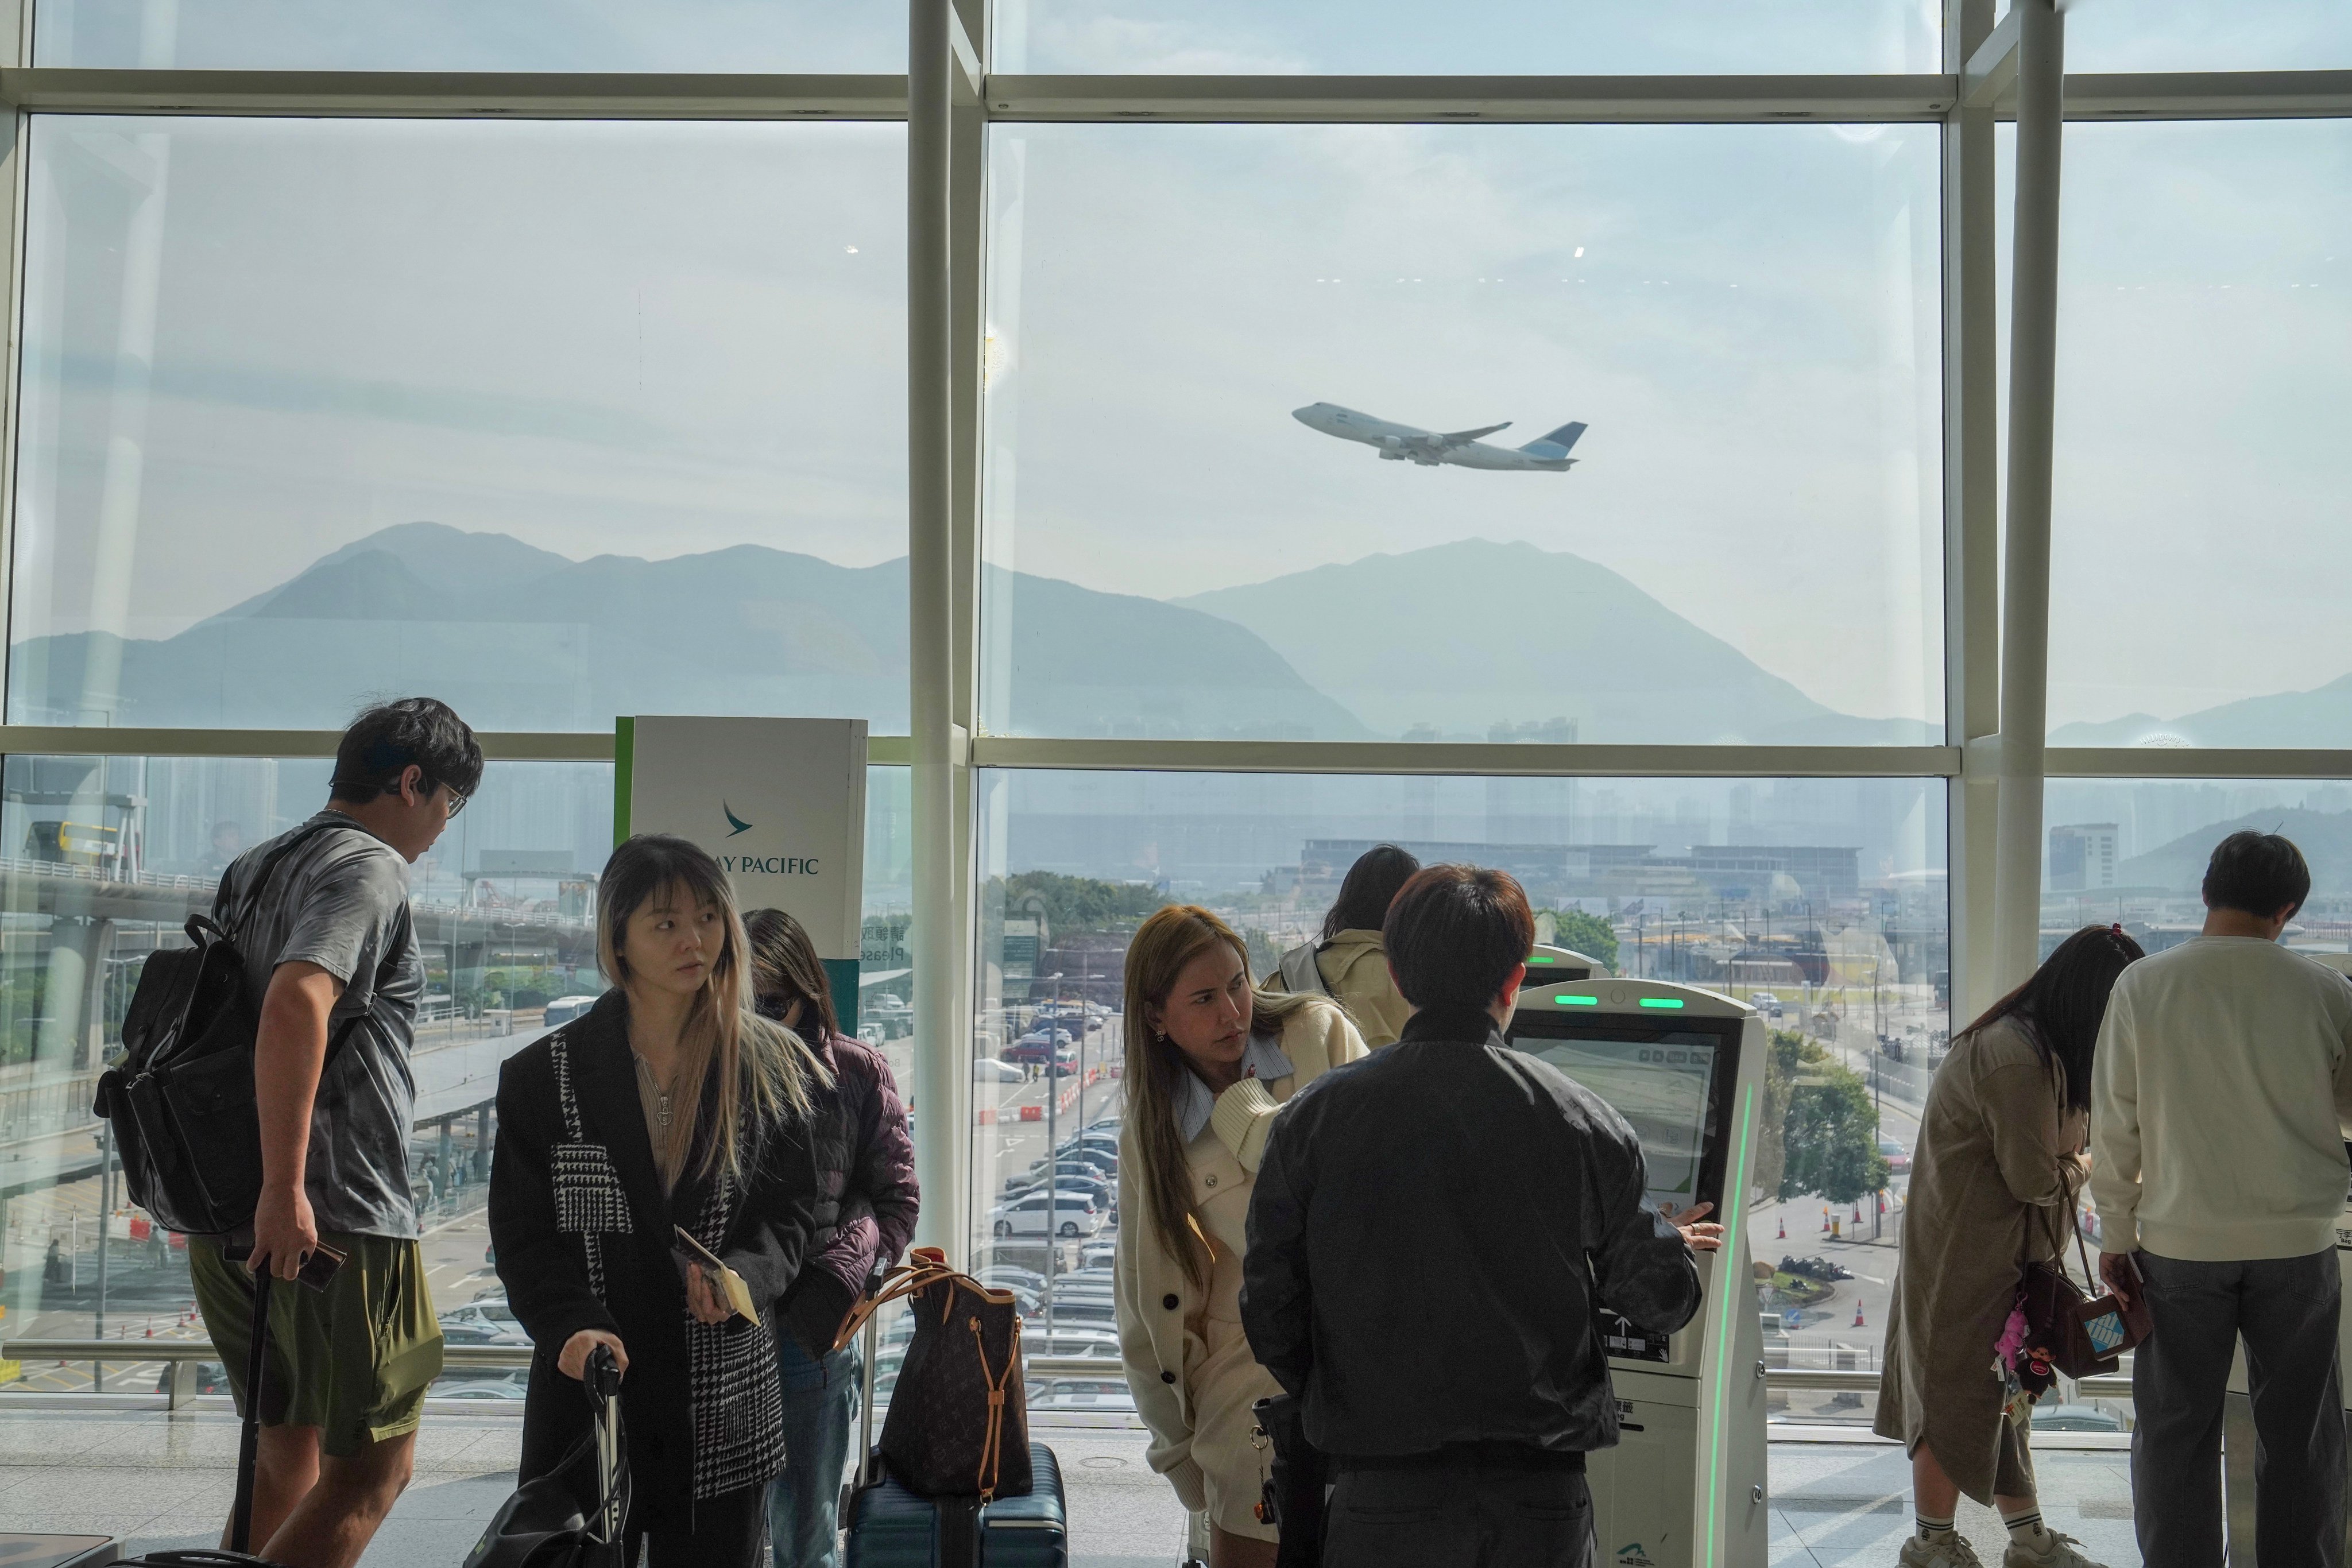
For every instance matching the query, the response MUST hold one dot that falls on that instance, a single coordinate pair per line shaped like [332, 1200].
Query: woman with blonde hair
[670, 1107]
[1209, 1060]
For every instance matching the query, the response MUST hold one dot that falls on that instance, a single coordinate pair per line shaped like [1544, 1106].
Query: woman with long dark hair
[1346, 962]
[1993, 1187]
[1209, 1060]
[670, 1106]
[866, 1215]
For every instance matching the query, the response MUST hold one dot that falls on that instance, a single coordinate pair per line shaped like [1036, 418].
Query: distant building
[2082, 857]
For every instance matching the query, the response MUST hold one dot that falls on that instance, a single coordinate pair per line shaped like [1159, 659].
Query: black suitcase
[890, 1527]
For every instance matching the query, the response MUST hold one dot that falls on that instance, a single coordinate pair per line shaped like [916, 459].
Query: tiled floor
[160, 1480]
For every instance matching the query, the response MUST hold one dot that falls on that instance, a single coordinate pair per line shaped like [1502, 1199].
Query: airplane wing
[1458, 438]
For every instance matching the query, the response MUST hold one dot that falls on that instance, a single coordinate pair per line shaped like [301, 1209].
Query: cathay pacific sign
[778, 802]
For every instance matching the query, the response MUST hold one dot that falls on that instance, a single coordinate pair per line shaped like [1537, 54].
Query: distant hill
[2319, 717]
[1465, 636]
[518, 638]
[2324, 837]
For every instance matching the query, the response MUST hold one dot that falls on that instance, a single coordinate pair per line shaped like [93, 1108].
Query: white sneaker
[2064, 1552]
[1950, 1548]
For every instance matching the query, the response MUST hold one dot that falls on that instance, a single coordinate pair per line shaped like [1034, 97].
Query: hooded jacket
[1352, 969]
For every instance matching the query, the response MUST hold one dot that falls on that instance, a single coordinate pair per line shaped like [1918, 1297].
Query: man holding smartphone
[326, 933]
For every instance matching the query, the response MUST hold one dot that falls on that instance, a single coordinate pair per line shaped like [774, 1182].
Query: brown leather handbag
[2078, 1334]
[959, 1421]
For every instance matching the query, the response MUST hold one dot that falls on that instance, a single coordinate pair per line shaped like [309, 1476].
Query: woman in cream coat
[1209, 1060]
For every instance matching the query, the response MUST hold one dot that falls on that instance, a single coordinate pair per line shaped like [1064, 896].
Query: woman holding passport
[654, 1192]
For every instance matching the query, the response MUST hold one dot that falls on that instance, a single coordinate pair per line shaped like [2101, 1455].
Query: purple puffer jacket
[865, 1175]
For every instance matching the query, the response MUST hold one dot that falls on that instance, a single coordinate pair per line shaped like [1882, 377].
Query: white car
[985, 1071]
[490, 1313]
[563, 1010]
[1074, 1215]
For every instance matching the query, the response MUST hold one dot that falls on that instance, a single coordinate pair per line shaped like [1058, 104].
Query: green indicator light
[1662, 1001]
[1578, 1001]
[1541, 958]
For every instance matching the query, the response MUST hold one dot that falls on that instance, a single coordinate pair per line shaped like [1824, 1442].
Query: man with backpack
[321, 919]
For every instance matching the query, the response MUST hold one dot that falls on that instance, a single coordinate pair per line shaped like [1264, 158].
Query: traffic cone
[1825, 1219]
[1857, 1211]
[1784, 1229]
[1857, 1314]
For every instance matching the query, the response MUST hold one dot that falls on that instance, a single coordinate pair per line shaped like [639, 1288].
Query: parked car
[505, 1385]
[1097, 1256]
[563, 1010]
[1765, 1002]
[1106, 1394]
[1031, 1049]
[1091, 1343]
[987, 1070]
[1102, 1193]
[489, 1313]
[2074, 1419]
[1010, 1277]
[1074, 1215]
[1898, 1158]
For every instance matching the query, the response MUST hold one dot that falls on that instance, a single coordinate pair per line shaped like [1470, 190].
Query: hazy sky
[656, 339]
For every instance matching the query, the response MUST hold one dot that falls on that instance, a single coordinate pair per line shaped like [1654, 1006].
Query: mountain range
[2319, 717]
[521, 638]
[2324, 837]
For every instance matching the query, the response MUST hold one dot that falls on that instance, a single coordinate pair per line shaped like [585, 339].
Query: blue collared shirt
[1263, 1061]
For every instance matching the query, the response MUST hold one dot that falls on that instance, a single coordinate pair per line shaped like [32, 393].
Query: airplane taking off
[1403, 442]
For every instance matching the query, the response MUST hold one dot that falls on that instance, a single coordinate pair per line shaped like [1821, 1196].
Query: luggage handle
[602, 1383]
[248, 1442]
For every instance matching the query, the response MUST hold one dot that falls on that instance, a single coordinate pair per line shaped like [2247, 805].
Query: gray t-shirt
[340, 900]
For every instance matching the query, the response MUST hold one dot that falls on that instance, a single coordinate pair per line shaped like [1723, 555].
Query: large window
[1247, 388]
[316, 409]
[1821, 901]
[2203, 470]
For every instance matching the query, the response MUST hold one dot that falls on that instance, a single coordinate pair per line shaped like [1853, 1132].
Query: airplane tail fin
[1563, 438]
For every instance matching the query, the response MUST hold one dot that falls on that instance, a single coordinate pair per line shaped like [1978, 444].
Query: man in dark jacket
[1429, 1233]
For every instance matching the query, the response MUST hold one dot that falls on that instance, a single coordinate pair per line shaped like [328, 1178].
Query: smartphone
[318, 1270]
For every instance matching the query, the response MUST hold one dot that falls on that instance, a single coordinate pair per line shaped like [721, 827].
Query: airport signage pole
[2032, 390]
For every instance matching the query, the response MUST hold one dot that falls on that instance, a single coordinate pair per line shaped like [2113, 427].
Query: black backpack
[182, 1099]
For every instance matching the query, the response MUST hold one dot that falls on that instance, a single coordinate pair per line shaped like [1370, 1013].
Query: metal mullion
[2208, 95]
[1971, 513]
[2196, 762]
[498, 745]
[1475, 758]
[505, 95]
[1450, 99]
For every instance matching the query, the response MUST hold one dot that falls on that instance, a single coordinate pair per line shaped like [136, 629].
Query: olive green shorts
[353, 1360]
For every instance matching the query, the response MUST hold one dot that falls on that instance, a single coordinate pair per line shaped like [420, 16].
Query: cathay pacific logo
[735, 824]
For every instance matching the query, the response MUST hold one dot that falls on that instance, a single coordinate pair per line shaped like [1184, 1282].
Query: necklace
[661, 1091]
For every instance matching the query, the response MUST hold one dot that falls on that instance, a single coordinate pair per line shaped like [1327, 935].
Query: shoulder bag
[2079, 1335]
[959, 1421]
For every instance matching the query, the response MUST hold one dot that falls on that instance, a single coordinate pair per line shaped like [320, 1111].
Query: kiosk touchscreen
[1685, 1486]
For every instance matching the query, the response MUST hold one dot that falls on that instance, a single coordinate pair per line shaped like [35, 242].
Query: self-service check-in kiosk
[1685, 1486]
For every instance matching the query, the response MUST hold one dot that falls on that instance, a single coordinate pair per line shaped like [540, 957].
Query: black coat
[866, 1165]
[1428, 1233]
[644, 1304]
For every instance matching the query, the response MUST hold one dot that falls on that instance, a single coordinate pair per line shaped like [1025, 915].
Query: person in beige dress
[1209, 1060]
[1993, 1187]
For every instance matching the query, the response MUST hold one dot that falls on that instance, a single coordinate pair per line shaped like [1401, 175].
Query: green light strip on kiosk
[1578, 1001]
[1662, 1001]
[1731, 1223]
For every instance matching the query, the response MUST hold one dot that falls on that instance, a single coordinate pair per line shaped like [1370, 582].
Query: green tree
[1587, 934]
[1827, 1127]
[1076, 904]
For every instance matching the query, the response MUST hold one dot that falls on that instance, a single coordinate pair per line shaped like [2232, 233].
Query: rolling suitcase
[248, 1445]
[890, 1527]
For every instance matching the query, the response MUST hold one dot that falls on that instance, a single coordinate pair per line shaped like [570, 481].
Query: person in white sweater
[2220, 1098]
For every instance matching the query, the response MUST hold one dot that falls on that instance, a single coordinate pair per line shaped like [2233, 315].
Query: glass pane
[105, 859]
[1821, 902]
[1191, 528]
[2135, 850]
[2200, 35]
[1228, 37]
[555, 421]
[2206, 293]
[452, 35]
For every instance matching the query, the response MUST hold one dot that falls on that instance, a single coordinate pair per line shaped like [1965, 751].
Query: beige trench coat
[1994, 1179]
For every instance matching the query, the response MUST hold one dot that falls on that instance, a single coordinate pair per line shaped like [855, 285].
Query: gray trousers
[1458, 1517]
[2285, 1309]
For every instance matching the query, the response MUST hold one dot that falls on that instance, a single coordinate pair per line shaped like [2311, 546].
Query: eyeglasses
[457, 799]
